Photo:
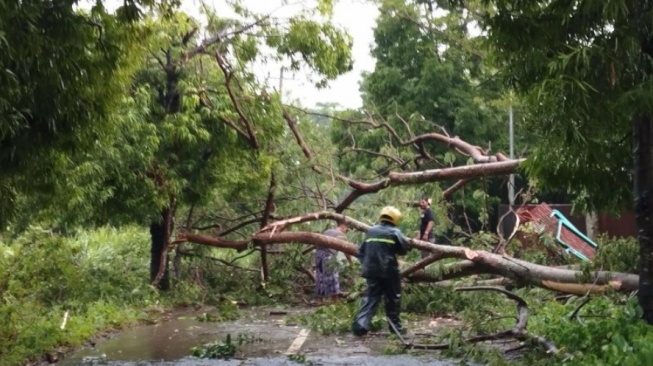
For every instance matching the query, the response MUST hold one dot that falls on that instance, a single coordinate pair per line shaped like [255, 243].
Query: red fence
[622, 226]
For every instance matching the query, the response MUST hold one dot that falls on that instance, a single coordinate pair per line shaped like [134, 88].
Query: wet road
[270, 341]
[279, 361]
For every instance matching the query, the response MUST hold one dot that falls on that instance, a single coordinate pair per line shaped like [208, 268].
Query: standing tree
[585, 67]
[431, 73]
[197, 127]
[63, 72]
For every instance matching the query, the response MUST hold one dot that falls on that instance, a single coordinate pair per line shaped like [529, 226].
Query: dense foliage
[149, 117]
[98, 278]
[63, 75]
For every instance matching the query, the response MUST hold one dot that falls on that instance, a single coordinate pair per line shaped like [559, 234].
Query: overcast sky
[356, 16]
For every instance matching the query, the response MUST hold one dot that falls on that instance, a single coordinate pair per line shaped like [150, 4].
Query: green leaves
[581, 84]
[322, 46]
[44, 275]
[63, 76]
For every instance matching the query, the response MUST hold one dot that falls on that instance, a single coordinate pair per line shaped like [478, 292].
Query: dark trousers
[425, 254]
[390, 289]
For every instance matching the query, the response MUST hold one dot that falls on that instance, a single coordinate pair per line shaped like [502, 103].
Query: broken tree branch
[556, 279]
[497, 164]
[226, 263]
[420, 265]
[228, 75]
[519, 331]
[455, 188]
[428, 176]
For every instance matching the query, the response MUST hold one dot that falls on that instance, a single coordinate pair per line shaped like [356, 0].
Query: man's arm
[402, 243]
[361, 251]
[429, 225]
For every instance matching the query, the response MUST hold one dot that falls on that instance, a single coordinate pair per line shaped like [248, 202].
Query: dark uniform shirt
[383, 242]
[427, 215]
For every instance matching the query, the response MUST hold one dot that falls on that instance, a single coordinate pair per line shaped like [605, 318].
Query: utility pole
[281, 78]
[511, 184]
[281, 84]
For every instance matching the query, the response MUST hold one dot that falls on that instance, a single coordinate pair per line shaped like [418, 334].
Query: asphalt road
[271, 340]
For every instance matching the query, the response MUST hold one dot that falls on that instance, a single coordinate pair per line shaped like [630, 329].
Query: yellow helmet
[390, 214]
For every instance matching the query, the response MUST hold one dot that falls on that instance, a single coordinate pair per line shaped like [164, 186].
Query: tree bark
[160, 236]
[269, 207]
[643, 206]
[474, 262]
[592, 224]
[458, 172]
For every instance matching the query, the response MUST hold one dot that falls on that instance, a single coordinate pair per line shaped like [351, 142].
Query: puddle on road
[170, 342]
[283, 361]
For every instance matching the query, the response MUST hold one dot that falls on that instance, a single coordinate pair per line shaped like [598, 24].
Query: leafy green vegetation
[224, 349]
[589, 330]
[151, 118]
[99, 279]
[93, 279]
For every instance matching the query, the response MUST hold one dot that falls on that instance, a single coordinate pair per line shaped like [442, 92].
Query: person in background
[327, 278]
[427, 221]
[378, 255]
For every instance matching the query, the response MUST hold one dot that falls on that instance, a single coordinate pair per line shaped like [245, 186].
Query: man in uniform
[378, 255]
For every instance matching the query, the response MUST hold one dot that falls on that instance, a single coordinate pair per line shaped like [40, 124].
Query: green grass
[99, 278]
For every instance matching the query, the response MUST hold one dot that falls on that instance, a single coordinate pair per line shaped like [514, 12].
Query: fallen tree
[518, 332]
[474, 262]
[493, 267]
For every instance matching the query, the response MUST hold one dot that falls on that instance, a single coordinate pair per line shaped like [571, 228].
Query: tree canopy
[584, 69]
[63, 74]
[148, 116]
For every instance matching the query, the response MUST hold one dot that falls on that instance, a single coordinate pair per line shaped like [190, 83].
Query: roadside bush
[606, 334]
[617, 254]
[99, 278]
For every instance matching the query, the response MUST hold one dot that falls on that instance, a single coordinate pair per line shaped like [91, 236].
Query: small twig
[574, 314]
[228, 76]
[252, 251]
[518, 348]
[519, 330]
[226, 263]
[64, 321]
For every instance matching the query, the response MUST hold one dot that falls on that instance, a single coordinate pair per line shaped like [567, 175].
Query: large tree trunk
[159, 232]
[475, 261]
[643, 201]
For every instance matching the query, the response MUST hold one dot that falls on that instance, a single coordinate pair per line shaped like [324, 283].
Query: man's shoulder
[334, 233]
[384, 228]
